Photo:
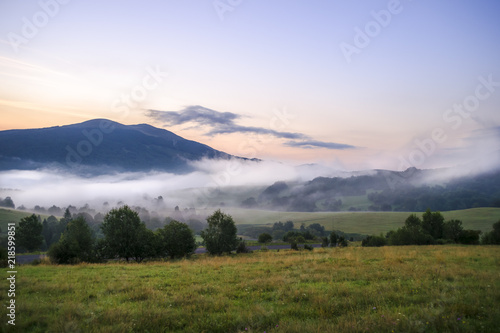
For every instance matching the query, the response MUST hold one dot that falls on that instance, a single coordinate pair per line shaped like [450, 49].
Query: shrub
[334, 238]
[242, 248]
[294, 246]
[265, 238]
[374, 241]
[308, 247]
[470, 237]
[343, 242]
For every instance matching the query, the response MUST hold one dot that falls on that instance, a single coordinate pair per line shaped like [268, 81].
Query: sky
[352, 85]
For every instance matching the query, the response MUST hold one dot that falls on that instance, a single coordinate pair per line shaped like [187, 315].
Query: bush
[242, 248]
[374, 241]
[265, 238]
[470, 237]
[334, 238]
[264, 248]
[294, 246]
[343, 242]
[308, 247]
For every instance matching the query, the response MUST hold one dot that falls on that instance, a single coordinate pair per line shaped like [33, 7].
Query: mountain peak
[101, 144]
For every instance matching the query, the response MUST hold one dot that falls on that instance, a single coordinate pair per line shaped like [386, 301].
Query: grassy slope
[10, 215]
[399, 289]
[364, 222]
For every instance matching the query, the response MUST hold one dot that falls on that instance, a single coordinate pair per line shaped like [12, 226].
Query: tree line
[122, 235]
[433, 229]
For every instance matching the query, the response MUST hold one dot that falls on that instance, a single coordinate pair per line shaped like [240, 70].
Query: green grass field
[364, 222]
[389, 289]
[10, 215]
[367, 223]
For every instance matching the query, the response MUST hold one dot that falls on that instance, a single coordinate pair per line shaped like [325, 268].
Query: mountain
[101, 146]
[383, 190]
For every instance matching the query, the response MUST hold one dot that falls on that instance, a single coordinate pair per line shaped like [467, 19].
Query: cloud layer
[224, 123]
[196, 189]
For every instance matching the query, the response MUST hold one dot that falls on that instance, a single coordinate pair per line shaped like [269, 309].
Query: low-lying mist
[47, 187]
[239, 183]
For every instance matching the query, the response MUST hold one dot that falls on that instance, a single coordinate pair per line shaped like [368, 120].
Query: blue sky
[272, 67]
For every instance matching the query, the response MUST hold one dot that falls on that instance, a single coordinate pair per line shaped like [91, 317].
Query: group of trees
[471, 192]
[433, 229]
[125, 236]
[7, 202]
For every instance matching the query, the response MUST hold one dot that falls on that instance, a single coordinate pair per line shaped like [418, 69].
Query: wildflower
[374, 308]
[458, 319]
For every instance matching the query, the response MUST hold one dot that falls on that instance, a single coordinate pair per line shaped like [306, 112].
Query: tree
[75, 245]
[176, 239]
[290, 236]
[126, 236]
[470, 237]
[300, 239]
[432, 223]
[242, 248]
[317, 229]
[220, 235]
[288, 226]
[374, 241]
[413, 221]
[412, 233]
[333, 239]
[452, 230]
[29, 233]
[493, 237]
[343, 242]
[265, 238]
[7, 202]
[48, 230]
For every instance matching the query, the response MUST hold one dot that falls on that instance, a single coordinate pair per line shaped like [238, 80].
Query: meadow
[367, 223]
[448, 288]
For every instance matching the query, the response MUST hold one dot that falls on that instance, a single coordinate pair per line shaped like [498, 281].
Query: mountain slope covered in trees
[100, 146]
[412, 190]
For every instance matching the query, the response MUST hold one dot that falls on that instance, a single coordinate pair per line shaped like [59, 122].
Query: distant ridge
[101, 146]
